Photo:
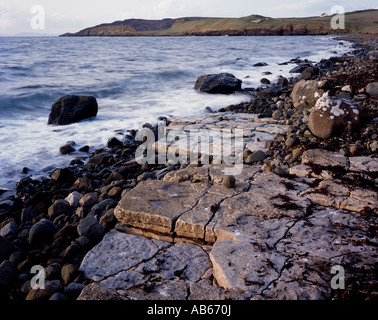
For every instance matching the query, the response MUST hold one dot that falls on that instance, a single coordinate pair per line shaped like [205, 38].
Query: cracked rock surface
[186, 236]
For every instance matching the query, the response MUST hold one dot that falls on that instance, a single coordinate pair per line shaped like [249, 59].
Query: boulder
[282, 81]
[306, 92]
[70, 109]
[224, 83]
[57, 208]
[332, 117]
[41, 232]
[372, 89]
[300, 68]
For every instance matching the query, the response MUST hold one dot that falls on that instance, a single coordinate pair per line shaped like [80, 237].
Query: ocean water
[135, 80]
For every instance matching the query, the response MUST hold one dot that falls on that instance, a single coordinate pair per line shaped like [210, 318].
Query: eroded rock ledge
[269, 237]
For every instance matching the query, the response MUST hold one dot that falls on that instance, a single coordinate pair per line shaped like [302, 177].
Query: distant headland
[363, 21]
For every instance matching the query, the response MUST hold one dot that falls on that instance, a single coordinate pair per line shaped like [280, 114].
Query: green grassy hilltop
[365, 21]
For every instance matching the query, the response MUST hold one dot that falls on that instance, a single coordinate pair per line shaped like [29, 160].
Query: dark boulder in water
[70, 109]
[225, 83]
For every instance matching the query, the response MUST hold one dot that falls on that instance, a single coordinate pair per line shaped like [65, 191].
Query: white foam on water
[135, 80]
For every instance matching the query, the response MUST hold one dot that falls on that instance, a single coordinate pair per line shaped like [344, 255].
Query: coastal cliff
[365, 21]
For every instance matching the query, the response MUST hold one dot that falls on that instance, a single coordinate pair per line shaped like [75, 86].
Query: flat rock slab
[116, 252]
[134, 267]
[364, 164]
[329, 234]
[324, 158]
[244, 266]
[332, 194]
[156, 205]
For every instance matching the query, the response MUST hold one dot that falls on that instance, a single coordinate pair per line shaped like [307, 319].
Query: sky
[17, 16]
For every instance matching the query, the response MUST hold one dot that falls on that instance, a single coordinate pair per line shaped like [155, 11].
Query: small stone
[73, 199]
[57, 208]
[5, 247]
[347, 88]
[296, 152]
[90, 228]
[28, 214]
[115, 192]
[146, 176]
[246, 153]
[291, 141]
[265, 81]
[89, 199]
[9, 230]
[67, 148]
[41, 232]
[256, 156]
[228, 181]
[73, 290]
[277, 114]
[7, 273]
[58, 296]
[114, 142]
[69, 273]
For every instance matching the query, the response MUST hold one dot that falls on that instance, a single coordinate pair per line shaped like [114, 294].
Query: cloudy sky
[74, 15]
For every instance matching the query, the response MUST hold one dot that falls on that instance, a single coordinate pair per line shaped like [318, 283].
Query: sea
[134, 79]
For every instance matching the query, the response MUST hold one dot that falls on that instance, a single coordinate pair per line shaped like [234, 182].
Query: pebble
[256, 156]
[228, 181]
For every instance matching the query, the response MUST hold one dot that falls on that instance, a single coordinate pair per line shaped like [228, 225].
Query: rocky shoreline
[110, 228]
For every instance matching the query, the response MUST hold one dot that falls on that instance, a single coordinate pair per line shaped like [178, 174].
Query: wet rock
[58, 296]
[282, 81]
[90, 228]
[7, 273]
[260, 64]
[73, 290]
[70, 109]
[265, 81]
[59, 207]
[114, 142]
[41, 232]
[62, 175]
[9, 230]
[300, 68]
[28, 214]
[67, 148]
[100, 208]
[100, 158]
[88, 200]
[331, 117]
[218, 83]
